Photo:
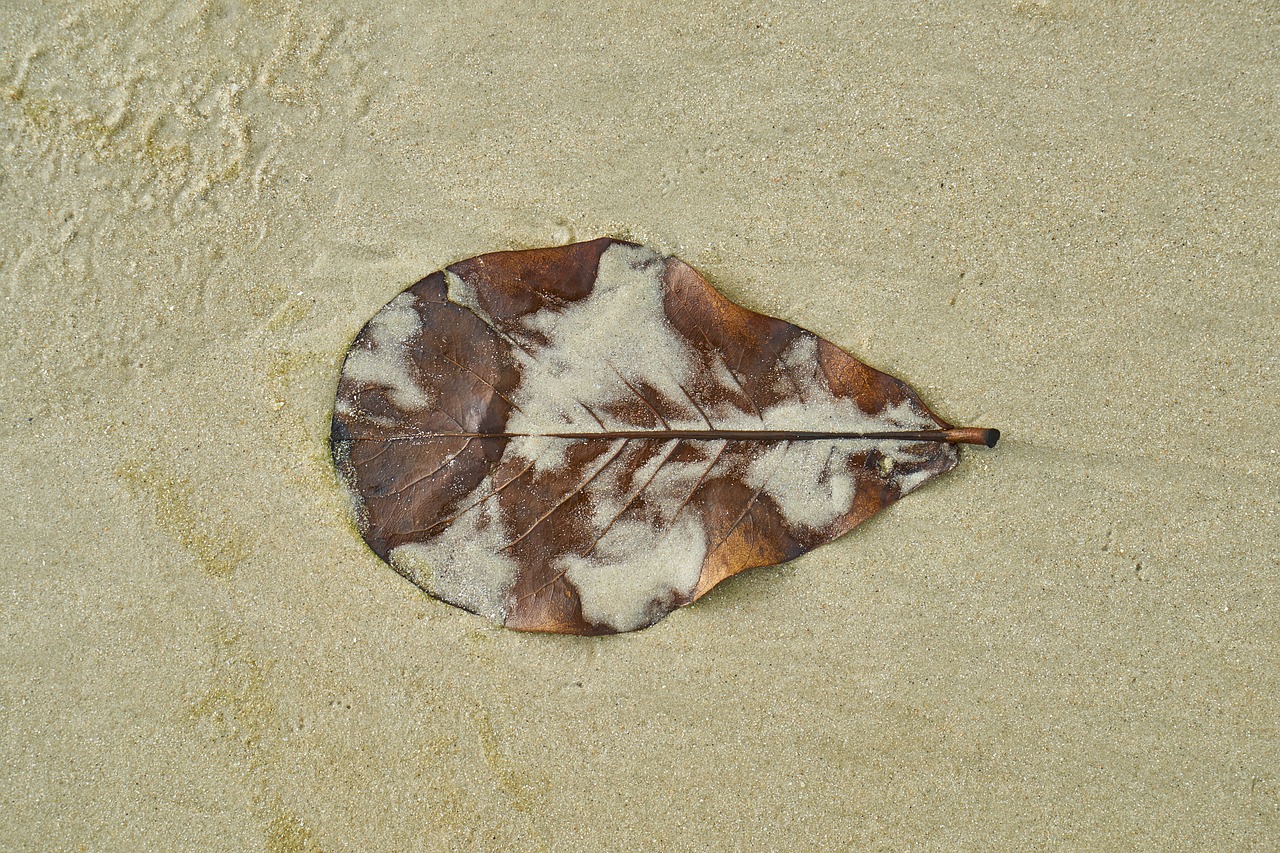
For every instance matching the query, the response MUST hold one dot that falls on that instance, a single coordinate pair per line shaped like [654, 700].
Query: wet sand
[1054, 218]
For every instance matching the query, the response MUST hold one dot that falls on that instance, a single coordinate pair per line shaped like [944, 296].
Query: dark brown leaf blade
[580, 439]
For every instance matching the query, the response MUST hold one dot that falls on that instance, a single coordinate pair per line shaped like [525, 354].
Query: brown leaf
[581, 439]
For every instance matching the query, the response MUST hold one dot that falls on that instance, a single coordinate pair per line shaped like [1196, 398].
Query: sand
[1055, 218]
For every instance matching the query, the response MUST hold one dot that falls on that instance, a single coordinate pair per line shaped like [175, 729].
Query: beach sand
[1055, 218]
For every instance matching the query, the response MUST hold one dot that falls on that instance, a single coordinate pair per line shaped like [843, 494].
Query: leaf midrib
[955, 435]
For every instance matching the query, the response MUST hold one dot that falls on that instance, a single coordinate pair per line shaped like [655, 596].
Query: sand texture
[1056, 218]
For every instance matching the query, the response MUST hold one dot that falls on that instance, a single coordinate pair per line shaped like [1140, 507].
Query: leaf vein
[750, 505]
[715, 460]
[433, 471]
[484, 381]
[576, 489]
[472, 506]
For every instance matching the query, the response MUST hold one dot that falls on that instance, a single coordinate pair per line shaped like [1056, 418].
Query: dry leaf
[581, 439]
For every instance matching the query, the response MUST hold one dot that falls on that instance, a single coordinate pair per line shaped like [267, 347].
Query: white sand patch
[808, 480]
[908, 483]
[723, 374]
[801, 358]
[618, 334]
[462, 293]
[387, 363]
[464, 565]
[635, 566]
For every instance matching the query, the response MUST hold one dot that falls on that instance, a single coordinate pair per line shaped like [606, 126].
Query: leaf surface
[580, 439]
